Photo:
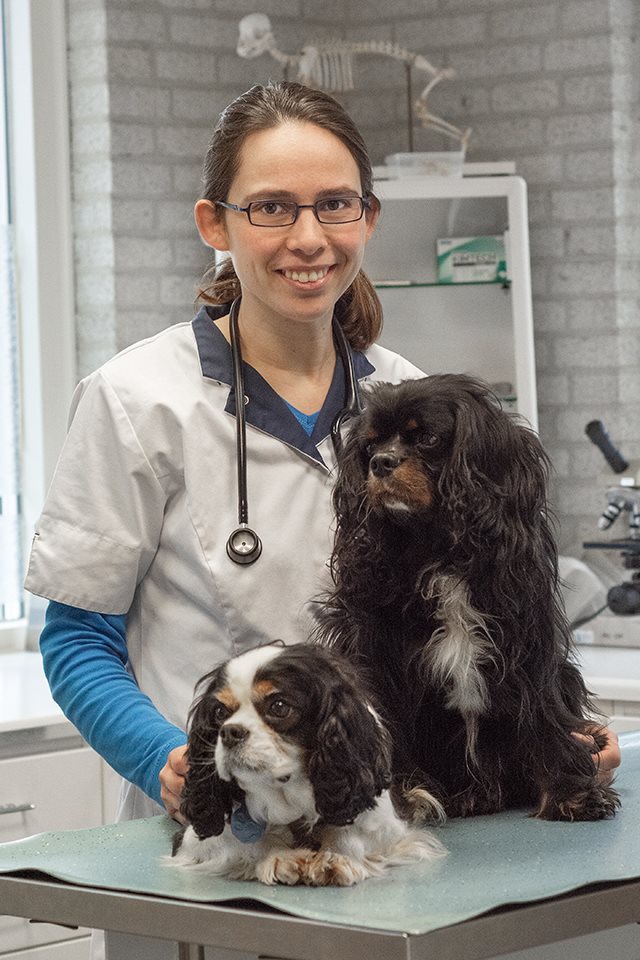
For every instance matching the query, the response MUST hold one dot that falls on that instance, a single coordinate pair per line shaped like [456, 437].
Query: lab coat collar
[265, 409]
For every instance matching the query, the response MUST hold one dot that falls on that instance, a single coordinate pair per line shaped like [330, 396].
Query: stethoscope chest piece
[244, 545]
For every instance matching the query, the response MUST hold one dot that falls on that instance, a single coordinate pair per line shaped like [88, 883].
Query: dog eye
[220, 713]
[430, 440]
[279, 708]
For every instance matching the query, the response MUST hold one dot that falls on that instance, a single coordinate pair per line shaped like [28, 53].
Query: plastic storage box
[446, 164]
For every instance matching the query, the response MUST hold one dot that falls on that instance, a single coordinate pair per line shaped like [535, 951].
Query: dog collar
[244, 827]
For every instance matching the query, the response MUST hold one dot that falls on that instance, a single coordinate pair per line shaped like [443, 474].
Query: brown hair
[262, 108]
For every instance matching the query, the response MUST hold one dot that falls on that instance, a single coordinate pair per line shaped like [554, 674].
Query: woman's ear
[211, 226]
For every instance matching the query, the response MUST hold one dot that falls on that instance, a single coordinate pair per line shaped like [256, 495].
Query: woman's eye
[268, 208]
[279, 709]
[333, 204]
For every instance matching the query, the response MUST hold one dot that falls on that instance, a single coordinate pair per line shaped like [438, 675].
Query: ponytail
[219, 284]
[360, 313]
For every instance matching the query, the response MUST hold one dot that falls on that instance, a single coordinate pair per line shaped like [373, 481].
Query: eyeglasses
[282, 213]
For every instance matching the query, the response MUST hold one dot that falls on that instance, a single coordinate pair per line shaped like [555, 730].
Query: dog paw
[283, 866]
[598, 802]
[474, 803]
[327, 869]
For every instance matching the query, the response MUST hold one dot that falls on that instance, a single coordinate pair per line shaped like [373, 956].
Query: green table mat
[493, 861]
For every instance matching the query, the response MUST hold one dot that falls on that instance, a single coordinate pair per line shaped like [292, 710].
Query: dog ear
[496, 477]
[357, 543]
[349, 488]
[351, 763]
[206, 798]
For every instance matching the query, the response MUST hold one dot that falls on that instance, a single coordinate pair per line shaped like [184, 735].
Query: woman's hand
[172, 781]
[606, 755]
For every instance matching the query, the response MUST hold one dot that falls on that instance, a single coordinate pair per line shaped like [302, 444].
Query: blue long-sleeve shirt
[85, 658]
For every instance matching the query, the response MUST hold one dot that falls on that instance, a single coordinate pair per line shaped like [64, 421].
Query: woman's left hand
[607, 756]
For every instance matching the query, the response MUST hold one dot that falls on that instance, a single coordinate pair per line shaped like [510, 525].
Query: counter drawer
[64, 790]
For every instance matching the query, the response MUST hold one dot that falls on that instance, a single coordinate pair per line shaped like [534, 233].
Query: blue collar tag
[243, 827]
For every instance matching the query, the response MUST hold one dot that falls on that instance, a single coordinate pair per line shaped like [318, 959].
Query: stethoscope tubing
[244, 545]
[241, 420]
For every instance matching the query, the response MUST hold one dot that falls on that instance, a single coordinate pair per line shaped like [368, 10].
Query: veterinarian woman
[133, 548]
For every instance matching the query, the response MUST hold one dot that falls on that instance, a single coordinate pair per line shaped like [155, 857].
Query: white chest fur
[280, 803]
[457, 651]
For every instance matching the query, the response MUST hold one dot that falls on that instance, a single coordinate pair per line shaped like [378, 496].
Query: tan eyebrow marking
[411, 424]
[227, 697]
[263, 688]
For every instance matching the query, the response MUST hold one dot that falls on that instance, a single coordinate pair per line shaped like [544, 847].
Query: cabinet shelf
[410, 284]
[487, 333]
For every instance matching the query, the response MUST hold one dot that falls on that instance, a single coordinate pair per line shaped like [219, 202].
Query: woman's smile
[308, 276]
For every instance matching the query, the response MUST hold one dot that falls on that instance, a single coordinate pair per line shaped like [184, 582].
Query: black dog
[446, 592]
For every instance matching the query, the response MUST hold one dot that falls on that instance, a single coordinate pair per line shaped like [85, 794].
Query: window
[38, 346]
[11, 538]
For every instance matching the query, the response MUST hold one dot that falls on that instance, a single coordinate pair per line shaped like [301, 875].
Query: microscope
[623, 499]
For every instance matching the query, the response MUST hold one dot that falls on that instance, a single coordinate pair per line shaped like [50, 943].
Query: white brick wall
[553, 85]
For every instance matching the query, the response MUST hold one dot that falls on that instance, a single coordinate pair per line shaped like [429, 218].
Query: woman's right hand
[172, 782]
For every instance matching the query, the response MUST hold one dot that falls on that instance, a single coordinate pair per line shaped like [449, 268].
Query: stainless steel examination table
[509, 882]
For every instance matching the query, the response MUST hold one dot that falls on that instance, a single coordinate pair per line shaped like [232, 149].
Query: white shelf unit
[485, 329]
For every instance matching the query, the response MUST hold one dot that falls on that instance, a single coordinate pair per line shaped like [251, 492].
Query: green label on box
[471, 259]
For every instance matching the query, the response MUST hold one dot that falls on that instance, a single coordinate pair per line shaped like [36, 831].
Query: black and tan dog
[446, 592]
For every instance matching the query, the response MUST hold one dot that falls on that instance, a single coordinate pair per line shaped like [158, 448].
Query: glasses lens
[272, 213]
[339, 209]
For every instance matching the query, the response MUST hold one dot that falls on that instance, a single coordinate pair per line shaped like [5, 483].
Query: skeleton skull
[255, 36]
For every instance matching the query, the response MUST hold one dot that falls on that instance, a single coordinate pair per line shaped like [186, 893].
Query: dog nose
[383, 464]
[233, 733]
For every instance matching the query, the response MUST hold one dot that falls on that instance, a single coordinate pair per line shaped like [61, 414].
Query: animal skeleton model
[328, 64]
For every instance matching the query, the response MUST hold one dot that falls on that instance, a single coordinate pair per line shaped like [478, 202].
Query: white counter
[611, 671]
[25, 699]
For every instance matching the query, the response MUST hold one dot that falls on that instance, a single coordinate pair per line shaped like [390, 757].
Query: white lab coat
[144, 498]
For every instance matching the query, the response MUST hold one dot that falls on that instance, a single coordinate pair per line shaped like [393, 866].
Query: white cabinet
[49, 780]
[483, 328]
[56, 790]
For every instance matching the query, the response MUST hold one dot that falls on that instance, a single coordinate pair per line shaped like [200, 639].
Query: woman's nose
[307, 233]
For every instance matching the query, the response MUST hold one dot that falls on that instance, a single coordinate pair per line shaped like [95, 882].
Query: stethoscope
[244, 545]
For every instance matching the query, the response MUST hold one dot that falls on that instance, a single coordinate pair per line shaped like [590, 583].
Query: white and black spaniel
[289, 769]
[446, 594]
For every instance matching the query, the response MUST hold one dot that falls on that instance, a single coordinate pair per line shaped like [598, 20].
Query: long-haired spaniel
[289, 766]
[446, 592]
